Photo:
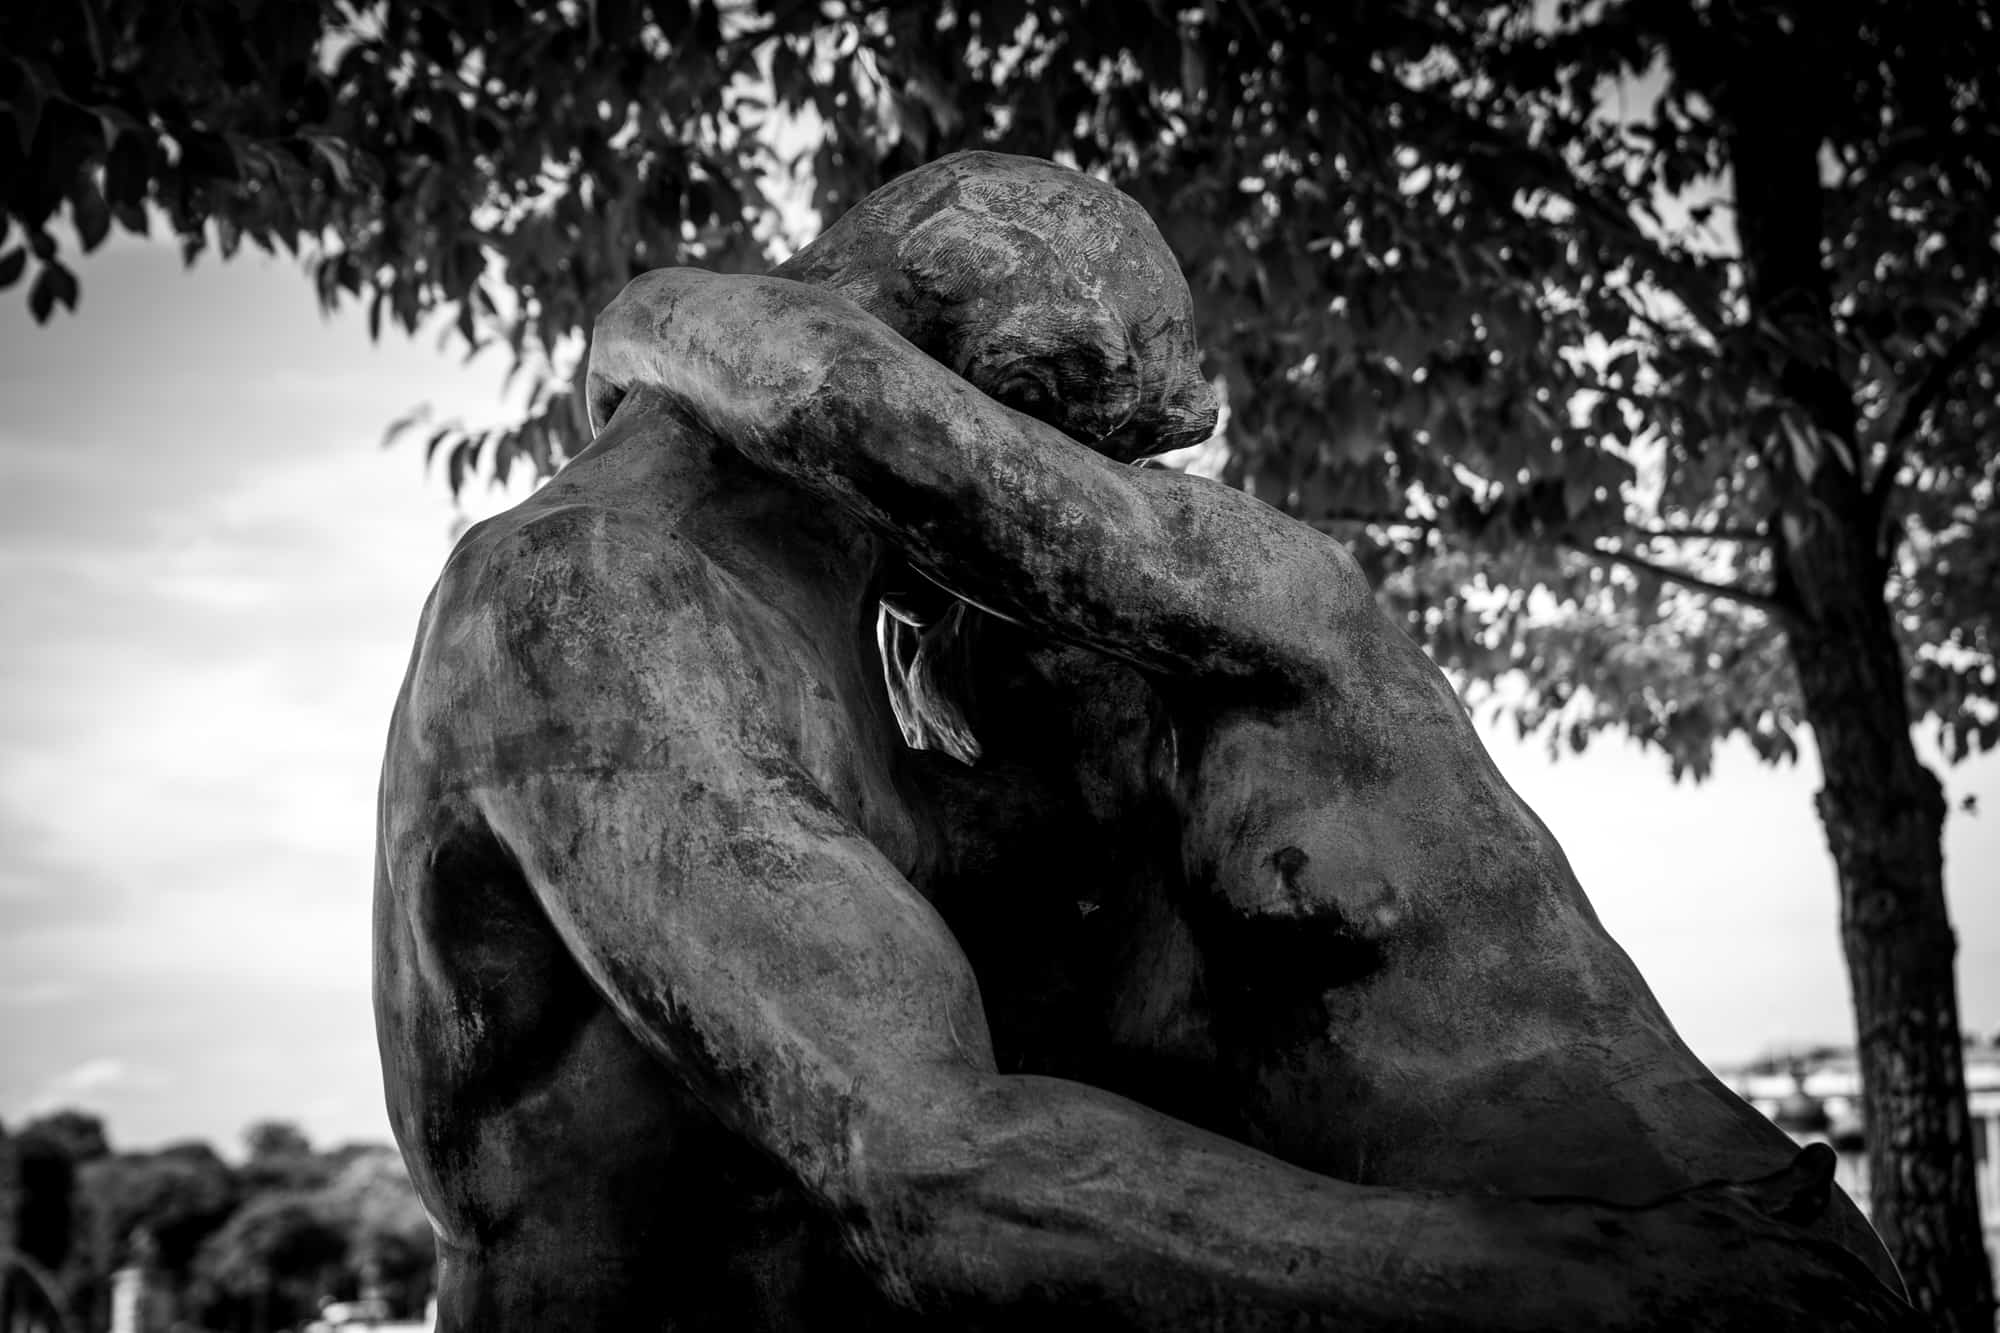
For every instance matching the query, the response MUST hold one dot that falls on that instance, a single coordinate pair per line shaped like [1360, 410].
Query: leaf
[334, 153]
[11, 266]
[464, 457]
[1194, 67]
[126, 169]
[132, 217]
[401, 425]
[53, 286]
[1805, 449]
[28, 99]
[534, 441]
[91, 214]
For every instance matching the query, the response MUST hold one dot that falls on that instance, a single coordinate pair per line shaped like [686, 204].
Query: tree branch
[1770, 603]
[94, 33]
[1699, 534]
[1765, 602]
[1926, 395]
[1372, 516]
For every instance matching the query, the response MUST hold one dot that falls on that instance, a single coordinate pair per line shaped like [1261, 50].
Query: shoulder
[562, 574]
[542, 625]
[1276, 598]
[514, 578]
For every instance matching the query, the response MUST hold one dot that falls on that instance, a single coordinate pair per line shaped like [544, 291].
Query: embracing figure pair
[854, 853]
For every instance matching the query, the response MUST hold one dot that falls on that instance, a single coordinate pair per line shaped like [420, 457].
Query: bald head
[1046, 288]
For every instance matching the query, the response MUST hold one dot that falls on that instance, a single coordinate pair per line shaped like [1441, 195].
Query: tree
[361, 1228]
[1640, 348]
[79, 1135]
[176, 1197]
[279, 1156]
[47, 1154]
[276, 1143]
[394, 1250]
[273, 1259]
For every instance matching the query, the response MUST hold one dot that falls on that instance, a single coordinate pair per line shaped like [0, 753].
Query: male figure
[672, 1038]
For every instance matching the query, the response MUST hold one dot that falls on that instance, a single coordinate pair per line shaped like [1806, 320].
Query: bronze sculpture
[686, 961]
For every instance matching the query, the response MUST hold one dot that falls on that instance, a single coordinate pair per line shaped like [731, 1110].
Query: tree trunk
[1882, 809]
[1884, 818]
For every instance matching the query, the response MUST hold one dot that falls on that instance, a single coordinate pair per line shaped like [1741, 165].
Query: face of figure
[1048, 289]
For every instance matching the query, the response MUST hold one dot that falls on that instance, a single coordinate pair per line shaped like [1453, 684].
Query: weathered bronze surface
[1227, 985]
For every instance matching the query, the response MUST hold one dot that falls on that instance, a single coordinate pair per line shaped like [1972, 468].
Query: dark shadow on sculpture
[1227, 984]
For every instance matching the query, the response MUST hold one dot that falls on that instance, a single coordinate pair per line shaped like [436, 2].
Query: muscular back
[546, 1139]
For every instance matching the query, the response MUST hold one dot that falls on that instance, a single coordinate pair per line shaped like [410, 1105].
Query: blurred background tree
[235, 1249]
[1641, 349]
[277, 1156]
[48, 1153]
[175, 1197]
[271, 1262]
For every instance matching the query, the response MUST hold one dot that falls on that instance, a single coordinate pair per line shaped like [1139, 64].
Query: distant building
[1815, 1096]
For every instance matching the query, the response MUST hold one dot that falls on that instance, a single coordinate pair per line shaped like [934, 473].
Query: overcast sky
[209, 578]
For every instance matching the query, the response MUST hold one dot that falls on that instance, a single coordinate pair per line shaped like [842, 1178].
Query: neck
[792, 548]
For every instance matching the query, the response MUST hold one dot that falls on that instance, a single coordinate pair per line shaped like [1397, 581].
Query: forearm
[1168, 571]
[1020, 1187]
[1026, 1193]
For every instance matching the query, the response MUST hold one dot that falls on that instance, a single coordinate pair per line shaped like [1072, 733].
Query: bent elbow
[909, 1190]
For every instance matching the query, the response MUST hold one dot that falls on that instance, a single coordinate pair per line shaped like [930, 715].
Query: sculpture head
[1049, 290]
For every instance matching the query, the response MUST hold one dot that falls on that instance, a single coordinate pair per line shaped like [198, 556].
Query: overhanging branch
[1700, 534]
[1765, 602]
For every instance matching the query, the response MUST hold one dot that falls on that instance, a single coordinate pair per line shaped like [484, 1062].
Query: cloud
[89, 1083]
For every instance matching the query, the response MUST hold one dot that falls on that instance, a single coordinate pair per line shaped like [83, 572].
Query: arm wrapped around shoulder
[740, 353]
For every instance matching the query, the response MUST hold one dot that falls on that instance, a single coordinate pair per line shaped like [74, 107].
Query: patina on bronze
[1229, 987]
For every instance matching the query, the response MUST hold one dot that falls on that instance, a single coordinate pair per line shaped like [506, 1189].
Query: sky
[210, 575]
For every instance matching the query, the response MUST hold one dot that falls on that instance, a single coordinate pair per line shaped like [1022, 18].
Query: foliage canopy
[1469, 270]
